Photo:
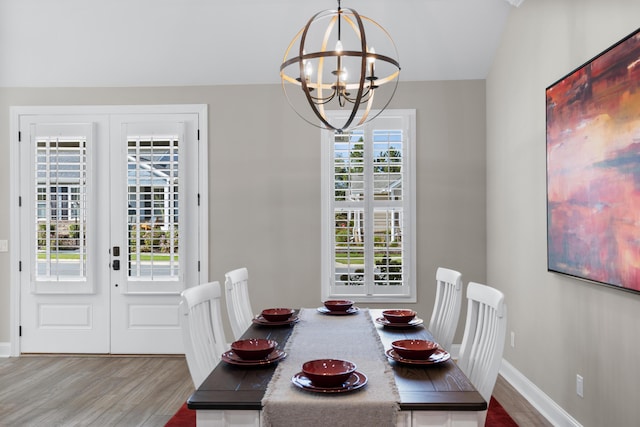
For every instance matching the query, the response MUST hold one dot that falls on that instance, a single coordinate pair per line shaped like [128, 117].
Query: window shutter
[368, 237]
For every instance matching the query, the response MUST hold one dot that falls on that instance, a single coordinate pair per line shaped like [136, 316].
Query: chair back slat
[202, 329]
[446, 310]
[238, 302]
[484, 336]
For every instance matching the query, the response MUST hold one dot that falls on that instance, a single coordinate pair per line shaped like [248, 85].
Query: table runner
[348, 337]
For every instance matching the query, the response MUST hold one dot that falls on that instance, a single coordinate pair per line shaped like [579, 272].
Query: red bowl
[338, 304]
[253, 348]
[277, 314]
[414, 349]
[328, 372]
[399, 316]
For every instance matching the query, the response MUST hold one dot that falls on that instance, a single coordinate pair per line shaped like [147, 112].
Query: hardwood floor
[520, 409]
[92, 391]
[128, 391]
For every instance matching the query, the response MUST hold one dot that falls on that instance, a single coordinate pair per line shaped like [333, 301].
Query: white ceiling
[208, 42]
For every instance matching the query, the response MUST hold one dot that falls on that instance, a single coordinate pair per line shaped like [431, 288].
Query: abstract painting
[593, 169]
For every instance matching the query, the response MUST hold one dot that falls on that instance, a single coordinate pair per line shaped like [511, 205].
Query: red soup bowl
[277, 314]
[328, 372]
[414, 349]
[253, 348]
[338, 304]
[399, 316]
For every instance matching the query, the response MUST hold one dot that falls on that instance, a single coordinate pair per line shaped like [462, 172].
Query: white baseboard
[538, 399]
[5, 349]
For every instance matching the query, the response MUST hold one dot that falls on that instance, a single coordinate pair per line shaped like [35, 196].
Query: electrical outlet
[513, 339]
[579, 385]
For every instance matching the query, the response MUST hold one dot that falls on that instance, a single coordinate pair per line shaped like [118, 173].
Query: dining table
[420, 393]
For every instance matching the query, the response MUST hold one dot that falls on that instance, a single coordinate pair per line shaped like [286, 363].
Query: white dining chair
[446, 310]
[484, 335]
[202, 329]
[238, 302]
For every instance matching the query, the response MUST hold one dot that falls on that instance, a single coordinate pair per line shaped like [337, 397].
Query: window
[368, 199]
[152, 192]
[61, 175]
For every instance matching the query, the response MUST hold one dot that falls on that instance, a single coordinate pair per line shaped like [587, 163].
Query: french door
[110, 227]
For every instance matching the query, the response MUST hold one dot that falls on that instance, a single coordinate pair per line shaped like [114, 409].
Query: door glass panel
[60, 209]
[153, 212]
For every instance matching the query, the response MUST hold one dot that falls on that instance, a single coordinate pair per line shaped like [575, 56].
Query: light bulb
[339, 47]
[308, 70]
[344, 75]
[371, 59]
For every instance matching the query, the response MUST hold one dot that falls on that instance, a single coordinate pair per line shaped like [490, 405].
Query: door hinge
[20, 330]
[198, 199]
[19, 265]
[19, 136]
[198, 266]
[198, 134]
[19, 201]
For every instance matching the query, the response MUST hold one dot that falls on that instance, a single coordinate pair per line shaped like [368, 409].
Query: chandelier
[340, 60]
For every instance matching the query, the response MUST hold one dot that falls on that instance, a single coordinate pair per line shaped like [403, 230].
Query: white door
[63, 304]
[110, 230]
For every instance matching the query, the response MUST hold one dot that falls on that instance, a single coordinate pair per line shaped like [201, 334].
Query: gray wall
[264, 183]
[563, 326]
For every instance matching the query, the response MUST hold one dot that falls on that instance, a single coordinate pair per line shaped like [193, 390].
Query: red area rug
[185, 417]
[496, 417]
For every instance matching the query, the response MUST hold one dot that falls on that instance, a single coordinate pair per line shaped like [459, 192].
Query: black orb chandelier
[344, 61]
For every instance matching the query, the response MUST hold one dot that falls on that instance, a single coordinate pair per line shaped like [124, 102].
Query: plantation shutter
[62, 224]
[153, 213]
[369, 233]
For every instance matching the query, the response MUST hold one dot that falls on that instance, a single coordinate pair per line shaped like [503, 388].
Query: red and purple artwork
[593, 169]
